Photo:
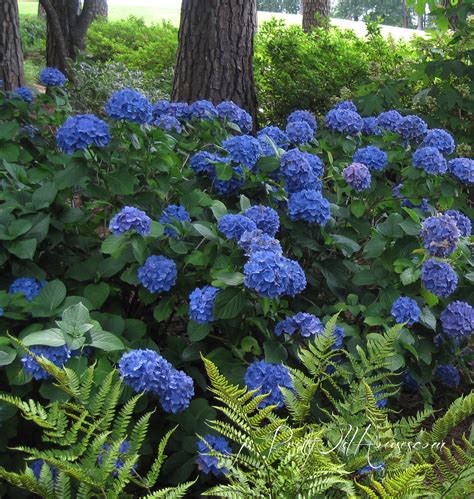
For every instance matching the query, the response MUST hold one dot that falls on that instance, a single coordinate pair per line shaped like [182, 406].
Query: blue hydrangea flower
[29, 130]
[347, 104]
[272, 275]
[309, 206]
[370, 126]
[440, 235]
[371, 468]
[144, 370]
[381, 403]
[203, 162]
[124, 447]
[257, 240]
[447, 375]
[81, 131]
[412, 127]
[457, 320]
[462, 169]
[229, 187]
[439, 278]
[409, 383]
[267, 378]
[178, 392]
[389, 120]
[372, 157]
[160, 108]
[23, 93]
[158, 274]
[430, 160]
[203, 109]
[210, 464]
[2, 311]
[305, 324]
[276, 135]
[30, 288]
[339, 335]
[243, 149]
[168, 124]
[201, 304]
[298, 171]
[171, 214]
[397, 190]
[299, 132]
[265, 218]
[305, 116]
[315, 163]
[130, 105]
[52, 77]
[235, 114]
[405, 309]
[233, 226]
[357, 175]
[344, 121]
[463, 223]
[37, 465]
[441, 139]
[130, 218]
[424, 205]
[57, 355]
[179, 110]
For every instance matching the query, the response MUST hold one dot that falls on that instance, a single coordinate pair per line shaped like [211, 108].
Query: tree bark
[314, 13]
[215, 52]
[41, 11]
[11, 54]
[100, 9]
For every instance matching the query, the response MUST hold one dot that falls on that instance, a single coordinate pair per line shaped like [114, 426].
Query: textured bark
[215, 52]
[100, 9]
[41, 11]
[314, 13]
[11, 54]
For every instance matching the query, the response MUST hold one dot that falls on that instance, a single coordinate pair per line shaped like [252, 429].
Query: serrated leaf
[229, 303]
[53, 337]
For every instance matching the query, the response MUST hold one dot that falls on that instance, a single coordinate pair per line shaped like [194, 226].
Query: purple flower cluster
[130, 218]
[30, 288]
[372, 157]
[257, 240]
[430, 160]
[299, 132]
[275, 135]
[457, 320]
[233, 226]
[310, 206]
[344, 121]
[405, 309]
[440, 235]
[57, 355]
[129, 105]
[243, 149]
[441, 139]
[357, 175]
[265, 218]
[52, 77]
[447, 375]
[463, 223]
[303, 116]
[203, 162]
[201, 304]
[347, 104]
[210, 464]
[462, 169]
[268, 378]
[172, 214]
[81, 131]
[389, 120]
[439, 278]
[157, 274]
[412, 127]
[298, 170]
[305, 324]
[370, 126]
[231, 112]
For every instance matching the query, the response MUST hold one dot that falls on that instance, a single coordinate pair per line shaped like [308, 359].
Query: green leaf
[427, 318]
[197, 332]
[375, 246]
[19, 227]
[7, 355]
[410, 227]
[205, 232]
[113, 245]
[224, 171]
[50, 337]
[244, 203]
[229, 303]
[121, 182]
[76, 316]
[274, 351]
[218, 209]
[97, 294]
[409, 276]
[345, 244]
[229, 278]
[391, 227]
[50, 297]
[164, 309]
[268, 163]
[358, 208]
[8, 130]
[105, 341]
[45, 195]
[24, 249]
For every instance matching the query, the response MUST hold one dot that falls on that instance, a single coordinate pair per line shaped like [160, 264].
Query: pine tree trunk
[100, 9]
[11, 54]
[314, 13]
[41, 11]
[215, 52]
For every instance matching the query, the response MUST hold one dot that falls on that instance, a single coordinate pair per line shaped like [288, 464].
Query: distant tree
[314, 13]
[392, 12]
[286, 6]
[101, 9]
[215, 52]
[11, 55]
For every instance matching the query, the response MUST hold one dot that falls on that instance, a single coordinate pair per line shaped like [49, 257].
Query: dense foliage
[158, 233]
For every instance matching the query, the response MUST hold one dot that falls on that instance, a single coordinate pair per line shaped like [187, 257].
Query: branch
[55, 25]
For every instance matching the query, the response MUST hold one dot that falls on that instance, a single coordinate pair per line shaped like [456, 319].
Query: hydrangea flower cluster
[201, 304]
[405, 309]
[430, 160]
[370, 126]
[203, 162]
[203, 110]
[457, 320]
[347, 104]
[276, 135]
[447, 375]
[265, 218]
[463, 223]
[440, 235]
[30, 288]
[232, 112]
[357, 175]
[57, 355]
[243, 149]
[267, 377]
[257, 240]
[124, 447]
[298, 172]
[299, 132]
[231, 186]
[389, 120]
[81, 131]
[441, 139]
[409, 383]
[344, 121]
[179, 110]
[272, 275]
[371, 468]
[168, 124]
[130, 218]
[412, 127]
[462, 169]
[210, 464]
[171, 214]
[233, 226]
[29, 130]
[310, 206]
[147, 371]
[23, 93]
[37, 465]
[372, 157]
[303, 116]
[129, 105]
[424, 206]
[158, 274]
[439, 278]
[52, 77]
[305, 324]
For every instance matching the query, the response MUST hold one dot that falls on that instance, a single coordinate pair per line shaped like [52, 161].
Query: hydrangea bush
[182, 234]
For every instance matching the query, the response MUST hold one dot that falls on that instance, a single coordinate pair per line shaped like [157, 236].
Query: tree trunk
[314, 13]
[41, 11]
[101, 9]
[67, 30]
[11, 54]
[215, 52]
